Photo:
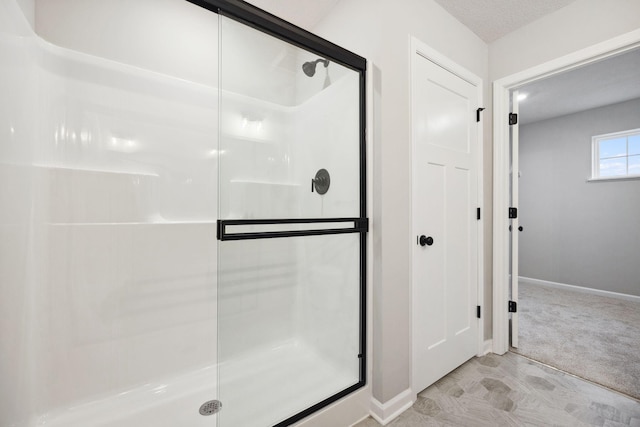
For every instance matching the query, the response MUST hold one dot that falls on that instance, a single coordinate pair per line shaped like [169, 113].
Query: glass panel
[288, 325]
[634, 144]
[288, 307]
[613, 167]
[613, 147]
[284, 116]
[634, 165]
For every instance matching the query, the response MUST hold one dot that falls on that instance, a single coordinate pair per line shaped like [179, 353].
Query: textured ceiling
[606, 82]
[492, 19]
[489, 19]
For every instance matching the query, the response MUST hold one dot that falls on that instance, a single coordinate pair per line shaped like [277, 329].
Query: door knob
[520, 228]
[425, 241]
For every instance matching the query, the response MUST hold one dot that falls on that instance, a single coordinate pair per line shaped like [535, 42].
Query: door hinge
[478, 111]
[513, 119]
[478, 214]
[478, 312]
[513, 307]
[513, 213]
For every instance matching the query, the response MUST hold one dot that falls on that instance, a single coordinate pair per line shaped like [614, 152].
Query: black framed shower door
[292, 227]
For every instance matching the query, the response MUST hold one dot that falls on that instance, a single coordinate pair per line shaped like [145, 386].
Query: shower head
[309, 68]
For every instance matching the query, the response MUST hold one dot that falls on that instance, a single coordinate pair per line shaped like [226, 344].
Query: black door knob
[520, 228]
[425, 241]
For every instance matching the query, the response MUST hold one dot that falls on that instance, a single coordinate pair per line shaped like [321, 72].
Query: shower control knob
[425, 241]
[321, 182]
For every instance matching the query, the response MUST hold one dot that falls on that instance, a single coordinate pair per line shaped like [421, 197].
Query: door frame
[417, 47]
[501, 92]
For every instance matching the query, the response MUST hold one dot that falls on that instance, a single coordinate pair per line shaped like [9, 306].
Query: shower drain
[211, 407]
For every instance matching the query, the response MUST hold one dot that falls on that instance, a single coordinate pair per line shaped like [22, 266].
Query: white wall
[577, 232]
[380, 30]
[581, 24]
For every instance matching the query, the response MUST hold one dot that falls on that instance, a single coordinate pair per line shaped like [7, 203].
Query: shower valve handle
[320, 184]
[318, 181]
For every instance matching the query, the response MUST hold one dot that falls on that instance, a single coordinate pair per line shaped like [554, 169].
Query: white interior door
[445, 223]
[515, 173]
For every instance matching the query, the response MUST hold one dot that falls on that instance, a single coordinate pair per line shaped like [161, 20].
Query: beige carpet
[596, 338]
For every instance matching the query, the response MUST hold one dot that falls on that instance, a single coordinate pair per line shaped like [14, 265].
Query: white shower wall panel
[128, 144]
[326, 134]
[257, 298]
[332, 267]
[172, 37]
[109, 261]
[255, 154]
[17, 284]
[128, 165]
[124, 306]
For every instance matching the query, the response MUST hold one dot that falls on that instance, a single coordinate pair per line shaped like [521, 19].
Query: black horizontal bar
[360, 225]
[286, 221]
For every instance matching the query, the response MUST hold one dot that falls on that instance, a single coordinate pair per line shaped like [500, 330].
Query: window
[616, 155]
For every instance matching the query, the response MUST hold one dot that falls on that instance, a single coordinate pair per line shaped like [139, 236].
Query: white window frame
[595, 157]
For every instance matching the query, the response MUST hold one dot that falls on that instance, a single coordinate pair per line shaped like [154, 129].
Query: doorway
[501, 160]
[558, 171]
[576, 282]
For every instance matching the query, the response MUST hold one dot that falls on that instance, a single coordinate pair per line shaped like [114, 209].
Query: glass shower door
[291, 229]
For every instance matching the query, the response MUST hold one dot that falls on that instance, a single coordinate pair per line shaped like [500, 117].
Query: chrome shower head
[309, 68]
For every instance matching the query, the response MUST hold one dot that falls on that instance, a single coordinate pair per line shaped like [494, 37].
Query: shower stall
[183, 225]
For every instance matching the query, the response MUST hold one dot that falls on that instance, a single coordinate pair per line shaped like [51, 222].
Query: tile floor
[511, 390]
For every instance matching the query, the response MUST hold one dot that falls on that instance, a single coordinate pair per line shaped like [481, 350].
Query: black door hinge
[513, 307]
[478, 214]
[513, 119]
[478, 311]
[513, 213]
[478, 111]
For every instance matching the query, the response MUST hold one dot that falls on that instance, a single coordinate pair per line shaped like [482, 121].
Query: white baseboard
[384, 413]
[487, 347]
[600, 292]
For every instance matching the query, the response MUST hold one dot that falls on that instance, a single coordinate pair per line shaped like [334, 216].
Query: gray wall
[577, 232]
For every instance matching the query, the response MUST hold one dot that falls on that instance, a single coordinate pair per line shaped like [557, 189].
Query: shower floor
[256, 390]
[278, 383]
